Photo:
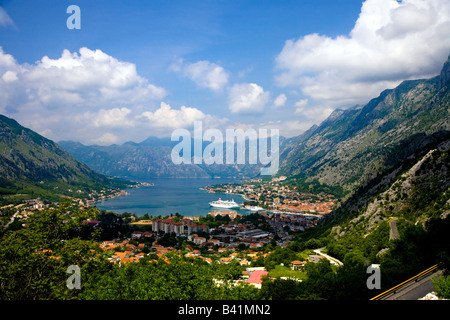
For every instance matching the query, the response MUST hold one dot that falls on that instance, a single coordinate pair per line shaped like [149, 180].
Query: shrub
[442, 286]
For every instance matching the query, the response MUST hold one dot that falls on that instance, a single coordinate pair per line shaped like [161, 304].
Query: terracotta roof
[255, 276]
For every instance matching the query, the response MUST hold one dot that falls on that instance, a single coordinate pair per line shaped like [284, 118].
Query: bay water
[169, 196]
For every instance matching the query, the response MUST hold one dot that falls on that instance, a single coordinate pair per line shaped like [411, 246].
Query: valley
[359, 170]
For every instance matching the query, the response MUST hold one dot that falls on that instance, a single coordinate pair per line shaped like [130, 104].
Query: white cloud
[90, 79]
[7, 62]
[300, 105]
[204, 73]
[79, 95]
[112, 118]
[247, 98]
[390, 42]
[90, 97]
[5, 19]
[9, 76]
[316, 113]
[280, 101]
[167, 118]
[97, 79]
[106, 139]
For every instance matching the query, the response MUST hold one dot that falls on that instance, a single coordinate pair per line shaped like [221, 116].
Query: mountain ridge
[34, 164]
[151, 159]
[351, 146]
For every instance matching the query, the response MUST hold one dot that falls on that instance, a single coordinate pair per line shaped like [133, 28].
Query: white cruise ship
[227, 204]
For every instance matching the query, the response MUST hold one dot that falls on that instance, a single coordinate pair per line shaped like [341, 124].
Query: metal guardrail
[399, 286]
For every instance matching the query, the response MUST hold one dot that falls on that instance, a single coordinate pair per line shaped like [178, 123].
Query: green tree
[227, 271]
[279, 289]
[442, 286]
[321, 281]
[34, 259]
[351, 278]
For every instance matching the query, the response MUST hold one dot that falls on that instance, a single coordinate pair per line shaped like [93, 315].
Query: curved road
[331, 259]
[394, 233]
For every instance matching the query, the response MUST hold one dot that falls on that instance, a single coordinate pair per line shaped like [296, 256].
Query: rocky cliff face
[356, 145]
[416, 193]
[28, 159]
[444, 79]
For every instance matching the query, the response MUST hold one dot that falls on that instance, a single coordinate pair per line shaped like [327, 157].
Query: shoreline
[195, 202]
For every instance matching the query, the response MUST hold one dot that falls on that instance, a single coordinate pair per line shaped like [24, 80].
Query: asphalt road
[415, 290]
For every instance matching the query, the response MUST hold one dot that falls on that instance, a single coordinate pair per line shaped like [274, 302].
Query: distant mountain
[354, 146]
[151, 158]
[34, 165]
[145, 160]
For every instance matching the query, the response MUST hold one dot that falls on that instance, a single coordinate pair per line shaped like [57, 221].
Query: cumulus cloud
[391, 41]
[247, 98]
[90, 78]
[94, 77]
[280, 101]
[91, 97]
[106, 139]
[168, 118]
[9, 76]
[116, 117]
[85, 89]
[204, 73]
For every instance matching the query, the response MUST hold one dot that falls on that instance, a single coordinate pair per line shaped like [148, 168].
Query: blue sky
[145, 68]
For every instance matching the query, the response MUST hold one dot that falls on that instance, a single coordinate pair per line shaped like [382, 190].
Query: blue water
[169, 196]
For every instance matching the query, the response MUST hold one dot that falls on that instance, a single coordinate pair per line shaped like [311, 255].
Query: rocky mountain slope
[31, 163]
[416, 191]
[356, 145]
[405, 188]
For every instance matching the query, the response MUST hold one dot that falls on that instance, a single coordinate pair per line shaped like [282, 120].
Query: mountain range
[356, 145]
[390, 157]
[355, 148]
[151, 158]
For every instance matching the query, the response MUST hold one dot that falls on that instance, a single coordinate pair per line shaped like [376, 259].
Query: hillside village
[277, 196]
[240, 243]
[243, 240]
[223, 237]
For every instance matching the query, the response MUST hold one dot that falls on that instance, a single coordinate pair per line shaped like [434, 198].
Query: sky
[136, 69]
